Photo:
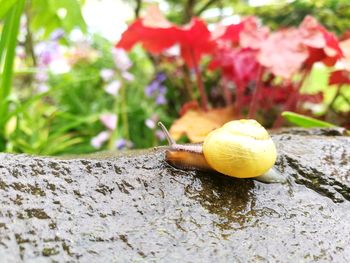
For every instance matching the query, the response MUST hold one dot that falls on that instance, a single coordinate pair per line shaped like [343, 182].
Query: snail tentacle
[170, 140]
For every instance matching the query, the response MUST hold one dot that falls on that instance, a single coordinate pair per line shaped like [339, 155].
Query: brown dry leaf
[196, 124]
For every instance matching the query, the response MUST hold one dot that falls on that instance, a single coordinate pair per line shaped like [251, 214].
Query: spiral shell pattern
[241, 148]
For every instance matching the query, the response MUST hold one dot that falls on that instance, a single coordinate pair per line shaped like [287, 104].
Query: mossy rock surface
[135, 208]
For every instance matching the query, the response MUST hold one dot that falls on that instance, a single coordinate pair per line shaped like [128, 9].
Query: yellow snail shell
[241, 148]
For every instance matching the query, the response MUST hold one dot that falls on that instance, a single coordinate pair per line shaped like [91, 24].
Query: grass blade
[305, 121]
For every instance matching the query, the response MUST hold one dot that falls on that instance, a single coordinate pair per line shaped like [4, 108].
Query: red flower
[157, 34]
[152, 39]
[270, 96]
[323, 45]
[238, 65]
[273, 95]
[195, 40]
[231, 33]
[339, 77]
[312, 98]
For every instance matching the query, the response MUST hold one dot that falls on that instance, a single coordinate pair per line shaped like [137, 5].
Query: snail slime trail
[241, 149]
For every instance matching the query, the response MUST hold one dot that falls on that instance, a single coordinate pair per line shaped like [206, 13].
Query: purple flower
[121, 144]
[47, 52]
[99, 139]
[57, 34]
[109, 120]
[113, 87]
[162, 89]
[151, 89]
[160, 77]
[160, 100]
[156, 89]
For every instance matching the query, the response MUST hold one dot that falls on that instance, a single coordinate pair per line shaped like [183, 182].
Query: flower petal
[109, 120]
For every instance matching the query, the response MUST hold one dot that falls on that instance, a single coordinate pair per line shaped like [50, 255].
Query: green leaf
[46, 15]
[305, 121]
[6, 5]
[8, 47]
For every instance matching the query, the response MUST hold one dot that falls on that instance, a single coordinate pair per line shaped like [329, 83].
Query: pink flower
[109, 120]
[252, 36]
[42, 88]
[283, 52]
[107, 74]
[121, 59]
[128, 76]
[151, 122]
[41, 76]
[160, 135]
[323, 46]
[113, 87]
[99, 139]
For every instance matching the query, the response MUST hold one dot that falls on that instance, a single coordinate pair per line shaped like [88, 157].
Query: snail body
[241, 149]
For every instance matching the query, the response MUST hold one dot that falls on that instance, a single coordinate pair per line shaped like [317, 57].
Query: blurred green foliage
[181, 11]
[64, 118]
[48, 15]
[333, 14]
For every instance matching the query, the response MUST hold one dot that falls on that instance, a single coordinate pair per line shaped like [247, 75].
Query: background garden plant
[65, 90]
[262, 72]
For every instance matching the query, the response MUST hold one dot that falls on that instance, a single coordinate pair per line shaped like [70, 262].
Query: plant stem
[114, 133]
[188, 11]
[187, 82]
[238, 101]
[226, 92]
[336, 95]
[29, 44]
[124, 112]
[254, 103]
[205, 7]
[293, 98]
[345, 98]
[204, 98]
[137, 8]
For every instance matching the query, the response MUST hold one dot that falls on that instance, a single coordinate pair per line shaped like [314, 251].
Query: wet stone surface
[137, 208]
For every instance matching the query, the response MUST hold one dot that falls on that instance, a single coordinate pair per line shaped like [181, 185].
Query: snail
[241, 149]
